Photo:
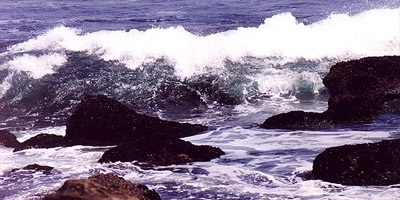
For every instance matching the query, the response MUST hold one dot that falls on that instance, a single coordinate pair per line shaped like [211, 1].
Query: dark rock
[99, 120]
[298, 120]
[102, 187]
[118, 183]
[361, 164]
[360, 90]
[8, 140]
[160, 151]
[43, 141]
[35, 167]
[103, 120]
[176, 96]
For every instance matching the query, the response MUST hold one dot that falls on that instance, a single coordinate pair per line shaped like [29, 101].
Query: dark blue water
[226, 64]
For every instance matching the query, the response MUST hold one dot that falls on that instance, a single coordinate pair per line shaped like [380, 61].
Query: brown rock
[118, 183]
[102, 187]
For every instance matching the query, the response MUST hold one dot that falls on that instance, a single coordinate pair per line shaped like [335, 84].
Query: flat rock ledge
[102, 187]
[359, 90]
[362, 164]
[160, 151]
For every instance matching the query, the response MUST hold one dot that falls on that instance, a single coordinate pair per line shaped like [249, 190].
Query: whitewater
[156, 56]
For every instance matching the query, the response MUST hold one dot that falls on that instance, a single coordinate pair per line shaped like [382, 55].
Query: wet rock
[118, 183]
[216, 91]
[102, 187]
[108, 122]
[35, 167]
[7, 139]
[174, 96]
[362, 164]
[43, 141]
[99, 120]
[298, 120]
[360, 90]
[160, 151]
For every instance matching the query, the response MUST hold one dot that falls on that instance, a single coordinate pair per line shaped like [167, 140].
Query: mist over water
[225, 64]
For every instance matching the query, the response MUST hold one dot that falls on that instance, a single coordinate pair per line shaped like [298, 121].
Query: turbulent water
[225, 64]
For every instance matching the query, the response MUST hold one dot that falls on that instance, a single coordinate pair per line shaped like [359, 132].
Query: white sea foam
[36, 66]
[371, 33]
[5, 85]
[260, 163]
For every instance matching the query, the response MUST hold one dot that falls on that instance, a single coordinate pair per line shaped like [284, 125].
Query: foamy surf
[262, 164]
[279, 57]
[340, 36]
[230, 70]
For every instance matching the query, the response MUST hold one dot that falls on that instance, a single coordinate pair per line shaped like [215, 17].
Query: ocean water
[225, 64]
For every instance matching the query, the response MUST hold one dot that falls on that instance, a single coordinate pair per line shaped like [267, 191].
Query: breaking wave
[162, 68]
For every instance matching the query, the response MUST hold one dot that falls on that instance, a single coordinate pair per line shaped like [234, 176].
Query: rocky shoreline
[360, 91]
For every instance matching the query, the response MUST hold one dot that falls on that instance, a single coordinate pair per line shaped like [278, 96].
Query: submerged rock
[174, 96]
[106, 121]
[160, 151]
[361, 164]
[35, 167]
[7, 139]
[102, 187]
[360, 90]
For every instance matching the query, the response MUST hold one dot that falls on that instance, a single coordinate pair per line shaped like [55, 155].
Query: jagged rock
[43, 141]
[115, 182]
[35, 167]
[107, 121]
[7, 139]
[102, 187]
[360, 90]
[160, 151]
[361, 164]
